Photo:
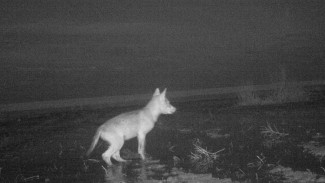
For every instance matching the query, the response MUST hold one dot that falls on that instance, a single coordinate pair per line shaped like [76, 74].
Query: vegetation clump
[272, 135]
[201, 158]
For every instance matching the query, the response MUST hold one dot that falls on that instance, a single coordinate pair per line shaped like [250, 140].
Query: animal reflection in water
[132, 171]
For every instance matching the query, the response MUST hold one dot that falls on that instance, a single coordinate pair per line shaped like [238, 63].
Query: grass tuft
[315, 149]
[281, 93]
[201, 159]
[272, 135]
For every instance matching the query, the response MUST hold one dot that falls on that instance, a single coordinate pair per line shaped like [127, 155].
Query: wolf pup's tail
[95, 140]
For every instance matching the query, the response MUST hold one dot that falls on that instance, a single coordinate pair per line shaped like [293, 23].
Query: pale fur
[131, 124]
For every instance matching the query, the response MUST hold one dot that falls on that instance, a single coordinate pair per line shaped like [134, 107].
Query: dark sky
[58, 49]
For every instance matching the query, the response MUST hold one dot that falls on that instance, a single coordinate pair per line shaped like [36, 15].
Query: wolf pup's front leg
[141, 145]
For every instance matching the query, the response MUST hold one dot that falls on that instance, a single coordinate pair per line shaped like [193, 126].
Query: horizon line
[128, 100]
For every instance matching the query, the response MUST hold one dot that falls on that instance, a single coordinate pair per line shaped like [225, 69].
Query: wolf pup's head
[163, 103]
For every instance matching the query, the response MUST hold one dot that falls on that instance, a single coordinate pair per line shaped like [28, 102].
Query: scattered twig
[61, 151]
[36, 177]
[93, 160]
[86, 167]
[21, 178]
[259, 163]
[106, 171]
[242, 171]
[272, 132]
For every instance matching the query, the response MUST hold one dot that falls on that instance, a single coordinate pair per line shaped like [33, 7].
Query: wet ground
[203, 142]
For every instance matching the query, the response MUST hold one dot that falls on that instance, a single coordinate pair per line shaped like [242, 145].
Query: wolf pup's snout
[171, 109]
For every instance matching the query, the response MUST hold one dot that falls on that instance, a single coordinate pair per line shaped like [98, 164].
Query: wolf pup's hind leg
[118, 158]
[116, 143]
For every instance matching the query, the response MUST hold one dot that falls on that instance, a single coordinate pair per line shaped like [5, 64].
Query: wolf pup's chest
[136, 128]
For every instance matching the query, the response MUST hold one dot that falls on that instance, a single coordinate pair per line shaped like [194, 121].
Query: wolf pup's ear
[164, 92]
[157, 92]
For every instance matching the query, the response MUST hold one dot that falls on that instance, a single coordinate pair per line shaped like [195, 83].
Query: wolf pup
[131, 124]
